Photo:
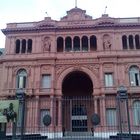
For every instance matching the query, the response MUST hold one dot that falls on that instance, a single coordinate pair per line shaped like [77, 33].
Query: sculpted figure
[106, 42]
[46, 44]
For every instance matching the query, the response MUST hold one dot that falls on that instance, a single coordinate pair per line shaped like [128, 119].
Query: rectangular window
[134, 79]
[46, 81]
[43, 112]
[136, 113]
[108, 79]
[111, 116]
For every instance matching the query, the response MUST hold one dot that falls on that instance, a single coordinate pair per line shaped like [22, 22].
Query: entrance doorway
[79, 118]
[77, 89]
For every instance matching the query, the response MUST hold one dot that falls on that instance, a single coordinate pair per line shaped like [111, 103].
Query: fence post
[122, 101]
[20, 94]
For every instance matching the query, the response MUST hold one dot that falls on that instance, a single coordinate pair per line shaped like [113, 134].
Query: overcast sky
[34, 10]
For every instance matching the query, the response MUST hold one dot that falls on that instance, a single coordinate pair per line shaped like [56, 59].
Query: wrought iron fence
[72, 118]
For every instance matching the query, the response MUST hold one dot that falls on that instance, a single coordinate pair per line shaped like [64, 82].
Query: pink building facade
[77, 56]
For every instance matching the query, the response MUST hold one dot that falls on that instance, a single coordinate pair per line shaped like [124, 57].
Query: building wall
[111, 58]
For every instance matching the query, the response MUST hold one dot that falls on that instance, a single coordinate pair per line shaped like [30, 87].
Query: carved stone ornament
[16, 69]
[107, 42]
[45, 69]
[61, 68]
[127, 66]
[94, 69]
[46, 44]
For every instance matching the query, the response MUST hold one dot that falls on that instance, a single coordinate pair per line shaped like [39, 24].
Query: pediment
[76, 14]
[105, 20]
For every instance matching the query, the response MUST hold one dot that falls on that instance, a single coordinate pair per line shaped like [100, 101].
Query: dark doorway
[77, 84]
[77, 89]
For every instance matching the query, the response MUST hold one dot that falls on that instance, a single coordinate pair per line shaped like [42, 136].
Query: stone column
[127, 42]
[116, 81]
[102, 111]
[20, 45]
[89, 44]
[26, 46]
[80, 44]
[60, 113]
[64, 47]
[134, 43]
[52, 110]
[95, 105]
[37, 115]
[72, 44]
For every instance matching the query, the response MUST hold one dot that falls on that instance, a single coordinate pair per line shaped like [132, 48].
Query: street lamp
[21, 95]
[123, 111]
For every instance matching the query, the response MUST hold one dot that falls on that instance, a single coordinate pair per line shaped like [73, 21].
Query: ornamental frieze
[60, 68]
[45, 69]
[94, 68]
[17, 68]
[77, 61]
[128, 65]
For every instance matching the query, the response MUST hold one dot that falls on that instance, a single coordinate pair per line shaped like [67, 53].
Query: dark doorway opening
[77, 84]
[77, 89]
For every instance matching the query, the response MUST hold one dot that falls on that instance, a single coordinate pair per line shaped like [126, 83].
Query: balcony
[46, 91]
[12, 92]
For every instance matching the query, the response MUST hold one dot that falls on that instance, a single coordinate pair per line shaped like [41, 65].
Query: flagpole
[75, 3]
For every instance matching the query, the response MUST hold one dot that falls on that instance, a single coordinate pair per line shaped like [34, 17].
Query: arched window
[131, 43]
[68, 44]
[124, 42]
[21, 79]
[93, 43]
[17, 49]
[136, 112]
[85, 43]
[76, 45]
[29, 50]
[60, 44]
[23, 49]
[137, 41]
[134, 75]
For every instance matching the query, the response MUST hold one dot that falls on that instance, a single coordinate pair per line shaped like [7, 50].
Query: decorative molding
[77, 61]
[107, 42]
[46, 44]
[93, 68]
[60, 68]
[79, 67]
[128, 65]
[45, 69]
[17, 68]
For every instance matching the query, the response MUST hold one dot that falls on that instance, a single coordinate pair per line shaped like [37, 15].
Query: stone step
[78, 134]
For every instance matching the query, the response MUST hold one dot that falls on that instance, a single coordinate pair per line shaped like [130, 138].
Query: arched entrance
[78, 106]
[77, 83]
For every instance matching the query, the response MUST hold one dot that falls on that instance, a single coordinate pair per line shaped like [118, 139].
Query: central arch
[77, 83]
[77, 90]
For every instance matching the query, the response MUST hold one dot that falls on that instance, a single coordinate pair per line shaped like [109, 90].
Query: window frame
[134, 76]
[111, 121]
[21, 73]
[136, 111]
[108, 83]
[49, 81]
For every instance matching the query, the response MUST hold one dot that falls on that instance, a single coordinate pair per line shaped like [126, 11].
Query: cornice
[66, 28]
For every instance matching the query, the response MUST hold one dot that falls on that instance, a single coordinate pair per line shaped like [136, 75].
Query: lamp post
[123, 111]
[20, 95]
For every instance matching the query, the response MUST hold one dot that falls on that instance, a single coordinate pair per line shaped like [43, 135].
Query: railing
[71, 118]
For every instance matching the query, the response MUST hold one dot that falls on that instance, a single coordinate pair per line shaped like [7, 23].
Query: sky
[35, 10]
